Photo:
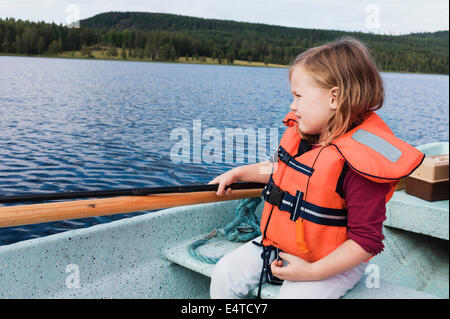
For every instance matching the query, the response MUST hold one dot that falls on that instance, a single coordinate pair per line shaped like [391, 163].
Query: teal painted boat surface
[146, 256]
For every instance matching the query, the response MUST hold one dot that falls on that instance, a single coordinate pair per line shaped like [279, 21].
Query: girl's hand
[225, 179]
[297, 269]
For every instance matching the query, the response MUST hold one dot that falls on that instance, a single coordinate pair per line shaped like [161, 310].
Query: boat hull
[120, 259]
[127, 258]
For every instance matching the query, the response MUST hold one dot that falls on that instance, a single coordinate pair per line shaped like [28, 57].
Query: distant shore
[102, 55]
[98, 55]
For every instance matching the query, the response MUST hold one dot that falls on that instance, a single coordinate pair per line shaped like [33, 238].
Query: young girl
[338, 164]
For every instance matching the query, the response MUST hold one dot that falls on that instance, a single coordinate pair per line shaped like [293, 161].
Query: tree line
[166, 37]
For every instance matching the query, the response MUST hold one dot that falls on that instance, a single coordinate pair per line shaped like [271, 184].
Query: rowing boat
[146, 256]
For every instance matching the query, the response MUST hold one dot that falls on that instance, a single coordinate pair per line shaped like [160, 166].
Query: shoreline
[67, 55]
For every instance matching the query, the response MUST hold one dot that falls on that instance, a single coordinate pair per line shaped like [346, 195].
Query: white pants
[238, 272]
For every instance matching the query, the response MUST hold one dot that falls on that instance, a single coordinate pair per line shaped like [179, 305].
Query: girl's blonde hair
[345, 63]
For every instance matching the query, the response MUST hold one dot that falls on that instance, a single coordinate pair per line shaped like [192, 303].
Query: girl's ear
[333, 98]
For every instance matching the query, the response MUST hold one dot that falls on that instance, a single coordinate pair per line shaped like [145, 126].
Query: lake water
[74, 125]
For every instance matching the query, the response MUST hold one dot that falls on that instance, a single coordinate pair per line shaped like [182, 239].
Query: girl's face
[312, 104]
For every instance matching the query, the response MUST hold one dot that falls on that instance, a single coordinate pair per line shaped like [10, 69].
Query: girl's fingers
[214, 181]
[277, 269]
[277, 263]
[220, 189]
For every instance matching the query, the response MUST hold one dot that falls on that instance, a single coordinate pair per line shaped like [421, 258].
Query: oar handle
[48, 212]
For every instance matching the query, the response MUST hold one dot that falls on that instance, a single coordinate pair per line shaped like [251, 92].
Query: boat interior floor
[365, 289]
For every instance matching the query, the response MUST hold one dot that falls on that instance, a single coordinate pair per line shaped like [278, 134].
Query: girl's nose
[292, 107]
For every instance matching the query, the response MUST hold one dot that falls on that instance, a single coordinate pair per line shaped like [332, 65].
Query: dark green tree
[41, 45]
[53, 48]
[123, 52]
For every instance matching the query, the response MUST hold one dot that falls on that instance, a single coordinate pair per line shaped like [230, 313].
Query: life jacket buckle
[275, 195]
[297, 210]
[284, 156]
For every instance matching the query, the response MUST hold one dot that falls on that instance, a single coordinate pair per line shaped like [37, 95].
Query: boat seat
[179, 255]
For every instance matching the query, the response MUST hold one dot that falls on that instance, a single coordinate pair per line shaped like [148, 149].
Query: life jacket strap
[290, 161]
[298, 207]
[266, 271]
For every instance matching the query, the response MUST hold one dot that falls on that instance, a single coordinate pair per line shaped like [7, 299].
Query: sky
[375, 16]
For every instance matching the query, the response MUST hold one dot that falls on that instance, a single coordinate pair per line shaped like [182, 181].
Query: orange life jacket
[305, 211]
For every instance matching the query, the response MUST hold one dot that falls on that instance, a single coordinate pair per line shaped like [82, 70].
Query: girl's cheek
[297, 106]
[300, 110]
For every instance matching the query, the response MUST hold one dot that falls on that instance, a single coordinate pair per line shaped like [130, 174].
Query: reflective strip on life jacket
[378, 144]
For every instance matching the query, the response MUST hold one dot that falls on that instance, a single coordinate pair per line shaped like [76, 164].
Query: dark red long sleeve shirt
[366, 207]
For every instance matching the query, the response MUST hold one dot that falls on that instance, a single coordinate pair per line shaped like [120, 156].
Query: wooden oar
[48, 212]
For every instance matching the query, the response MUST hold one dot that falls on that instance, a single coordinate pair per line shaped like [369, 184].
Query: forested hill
[169, 37]
[420, 52]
